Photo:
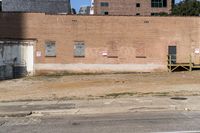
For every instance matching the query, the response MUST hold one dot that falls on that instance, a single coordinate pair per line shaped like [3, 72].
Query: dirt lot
[100, 86]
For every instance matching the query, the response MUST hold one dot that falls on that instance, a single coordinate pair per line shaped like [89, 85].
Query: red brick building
[132, 7]
[50, 43]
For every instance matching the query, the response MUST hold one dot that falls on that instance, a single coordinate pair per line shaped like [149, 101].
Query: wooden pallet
[187, 66]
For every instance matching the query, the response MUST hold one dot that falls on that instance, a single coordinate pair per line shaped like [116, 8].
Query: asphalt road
[139, 122]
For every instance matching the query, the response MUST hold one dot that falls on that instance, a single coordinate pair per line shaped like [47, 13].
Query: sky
[77, 3]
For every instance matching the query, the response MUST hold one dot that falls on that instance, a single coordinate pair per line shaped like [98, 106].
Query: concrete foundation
[99, 68]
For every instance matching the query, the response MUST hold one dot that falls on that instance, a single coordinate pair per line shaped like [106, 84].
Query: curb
[117, 109]
[97, 110]
[92, 111]
[107, 110]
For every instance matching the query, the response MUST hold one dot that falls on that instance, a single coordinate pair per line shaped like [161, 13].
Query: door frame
[32, 42]
[173, 55]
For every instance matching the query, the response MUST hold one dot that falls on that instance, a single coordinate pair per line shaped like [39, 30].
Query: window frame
[158, 3]
[76, 44]
[137, 14]
[104, 4]
[103, 12]
[138, 5]
[49, 54]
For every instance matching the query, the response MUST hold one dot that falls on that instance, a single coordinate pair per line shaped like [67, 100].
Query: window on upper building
[137, 4]
[104, 12]
[0, 6]
[137, 14]
[104, 4]
[158, 3]
[154, 14]
[50, 48]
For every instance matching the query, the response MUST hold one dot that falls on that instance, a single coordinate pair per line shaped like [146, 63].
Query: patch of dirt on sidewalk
[100, 86]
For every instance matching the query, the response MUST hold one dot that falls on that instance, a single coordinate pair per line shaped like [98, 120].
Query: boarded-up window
[50, 48]
[112, 50]
[79, 49]
[140, 52]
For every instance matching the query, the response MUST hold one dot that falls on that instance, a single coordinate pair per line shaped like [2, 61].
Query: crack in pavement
[142, 108]
[2, 123]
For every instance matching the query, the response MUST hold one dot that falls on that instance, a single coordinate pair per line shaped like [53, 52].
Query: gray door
[172, 52]
[16, 59]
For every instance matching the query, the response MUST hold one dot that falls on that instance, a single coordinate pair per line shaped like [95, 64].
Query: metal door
[16, 59]
[172, 54]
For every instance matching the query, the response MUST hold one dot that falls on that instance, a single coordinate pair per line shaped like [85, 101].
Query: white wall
[22, 51]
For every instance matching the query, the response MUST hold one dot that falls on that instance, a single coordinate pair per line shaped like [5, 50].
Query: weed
[121, 94]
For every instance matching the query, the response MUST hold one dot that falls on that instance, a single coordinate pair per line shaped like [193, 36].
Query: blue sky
[77, 3]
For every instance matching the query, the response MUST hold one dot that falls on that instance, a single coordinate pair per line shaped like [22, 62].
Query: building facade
[92, 7]
[84, 10]
[65, 43]
[37, 6]
[132, 7]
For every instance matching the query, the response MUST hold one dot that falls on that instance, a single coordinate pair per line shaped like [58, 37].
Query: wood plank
[195, 66]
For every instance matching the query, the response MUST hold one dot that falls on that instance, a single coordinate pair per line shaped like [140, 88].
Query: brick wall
[111, 40]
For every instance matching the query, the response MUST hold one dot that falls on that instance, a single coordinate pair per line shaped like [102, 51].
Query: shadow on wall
[16, 48]
[11, 25]
[11, 63]
[0, 6]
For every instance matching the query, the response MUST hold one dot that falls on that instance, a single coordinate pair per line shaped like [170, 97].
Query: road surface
[138, 122]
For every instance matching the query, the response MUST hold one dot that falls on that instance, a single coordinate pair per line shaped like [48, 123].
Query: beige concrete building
[51, 43]
[132, 7]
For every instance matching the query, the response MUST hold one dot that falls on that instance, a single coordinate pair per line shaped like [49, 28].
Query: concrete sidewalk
[98, 106]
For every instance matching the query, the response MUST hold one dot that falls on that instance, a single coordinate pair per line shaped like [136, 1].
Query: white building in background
[92, 7]
[84, 10]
